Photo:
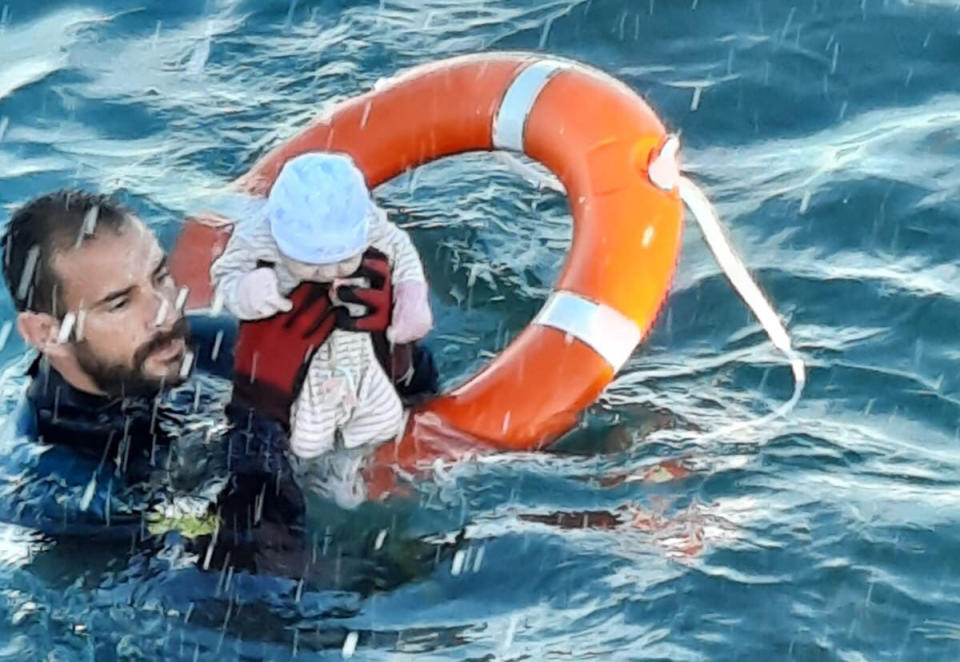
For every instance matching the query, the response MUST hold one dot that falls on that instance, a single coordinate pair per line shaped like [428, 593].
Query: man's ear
[41, 331]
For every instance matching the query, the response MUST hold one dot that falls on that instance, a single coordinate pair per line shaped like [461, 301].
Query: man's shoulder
[45, 486]
[26, 452]
[18, 435]
[19, 429]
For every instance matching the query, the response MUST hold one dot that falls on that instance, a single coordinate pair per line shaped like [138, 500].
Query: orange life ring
[599, 138]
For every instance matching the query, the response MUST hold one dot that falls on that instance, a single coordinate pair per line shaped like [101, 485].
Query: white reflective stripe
[517, 103]
[612, 335]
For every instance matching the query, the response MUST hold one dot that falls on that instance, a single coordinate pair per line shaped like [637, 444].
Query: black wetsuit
[134, 468]
[186, 464]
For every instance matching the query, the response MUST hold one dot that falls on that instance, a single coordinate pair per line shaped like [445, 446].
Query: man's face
[129, 336]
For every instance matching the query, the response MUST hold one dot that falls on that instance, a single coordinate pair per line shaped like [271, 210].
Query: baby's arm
[412, 318]
[246, 291]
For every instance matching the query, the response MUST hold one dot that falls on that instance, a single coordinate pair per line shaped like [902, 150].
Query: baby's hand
[412, 318]
[258, 295]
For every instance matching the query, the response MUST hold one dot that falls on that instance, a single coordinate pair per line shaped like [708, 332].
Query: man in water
[107, 442]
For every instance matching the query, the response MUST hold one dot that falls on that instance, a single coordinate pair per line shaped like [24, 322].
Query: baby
[318, 221]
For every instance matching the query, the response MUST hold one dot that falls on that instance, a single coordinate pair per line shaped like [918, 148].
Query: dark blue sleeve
[212, 338]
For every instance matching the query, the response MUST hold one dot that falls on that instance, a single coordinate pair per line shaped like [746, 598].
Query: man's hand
[272, 355]
[258, 295]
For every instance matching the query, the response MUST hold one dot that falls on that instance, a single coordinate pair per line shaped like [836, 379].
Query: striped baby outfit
[345, 390]
[347, 400]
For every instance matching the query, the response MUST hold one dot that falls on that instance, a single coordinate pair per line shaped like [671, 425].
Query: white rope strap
[745, 286]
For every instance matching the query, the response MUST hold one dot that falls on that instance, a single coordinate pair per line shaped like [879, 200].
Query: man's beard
[118, 380]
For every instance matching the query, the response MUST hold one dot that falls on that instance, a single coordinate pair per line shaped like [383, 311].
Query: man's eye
[119, 304]
[165, 277]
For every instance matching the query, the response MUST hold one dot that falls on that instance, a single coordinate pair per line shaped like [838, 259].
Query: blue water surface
[826, 134]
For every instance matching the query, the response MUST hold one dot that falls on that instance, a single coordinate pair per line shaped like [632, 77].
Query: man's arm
[247, 246]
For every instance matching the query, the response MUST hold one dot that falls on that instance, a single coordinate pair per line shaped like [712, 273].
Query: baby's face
[322, 273]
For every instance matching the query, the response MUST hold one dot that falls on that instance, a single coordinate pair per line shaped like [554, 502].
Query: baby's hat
[319, 208]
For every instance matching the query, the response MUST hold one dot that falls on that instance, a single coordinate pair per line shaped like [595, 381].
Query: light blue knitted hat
[319, 208]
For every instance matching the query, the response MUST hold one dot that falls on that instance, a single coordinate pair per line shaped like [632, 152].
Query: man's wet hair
[41, 229]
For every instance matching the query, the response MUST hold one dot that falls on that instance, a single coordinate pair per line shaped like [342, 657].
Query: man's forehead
[107, 262]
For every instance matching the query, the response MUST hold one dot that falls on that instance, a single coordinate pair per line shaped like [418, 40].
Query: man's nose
[165, 310]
